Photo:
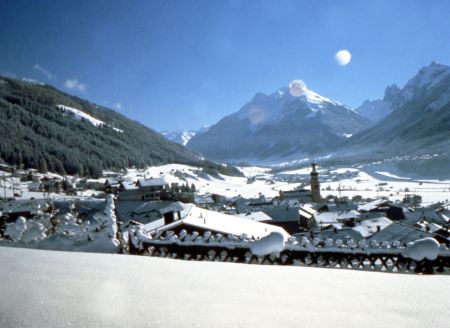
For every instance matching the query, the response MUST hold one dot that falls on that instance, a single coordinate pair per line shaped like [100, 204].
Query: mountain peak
[392, 93]
[299, 89]
[429, 76]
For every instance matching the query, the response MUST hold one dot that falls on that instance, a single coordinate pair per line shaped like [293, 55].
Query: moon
[343, 57]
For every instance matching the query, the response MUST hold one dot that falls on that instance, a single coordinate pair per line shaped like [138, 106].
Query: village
[129, 211]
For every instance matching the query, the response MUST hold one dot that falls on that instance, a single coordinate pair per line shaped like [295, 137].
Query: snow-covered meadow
[342, 181]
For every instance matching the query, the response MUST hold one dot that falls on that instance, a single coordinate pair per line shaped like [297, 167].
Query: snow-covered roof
[400, 232]
[353, 214]
[327, 217]
[174, 207]
[368, 227]
[304, 213]
[430, 227]
[372, 205]
[224, 223]
[128, 186]
[280, 213]
[162, 181]
[256, 216]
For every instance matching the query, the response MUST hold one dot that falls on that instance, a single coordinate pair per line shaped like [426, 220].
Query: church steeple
[315, 187]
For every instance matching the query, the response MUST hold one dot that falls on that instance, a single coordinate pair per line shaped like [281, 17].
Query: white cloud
[118, 105]
[297, 88]
[75, 85]
[44, 71]
[343, 57]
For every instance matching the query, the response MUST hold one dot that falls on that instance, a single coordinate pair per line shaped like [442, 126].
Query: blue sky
[183, 64]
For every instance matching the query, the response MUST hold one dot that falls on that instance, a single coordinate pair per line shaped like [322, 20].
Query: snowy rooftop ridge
[82, 115]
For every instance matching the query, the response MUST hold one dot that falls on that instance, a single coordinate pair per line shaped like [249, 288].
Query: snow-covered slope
[183, 137]
[80, 115]
[180, 137]
[292, 121]
[59, 289]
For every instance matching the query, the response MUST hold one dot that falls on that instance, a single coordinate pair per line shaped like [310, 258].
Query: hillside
[418, 125]
[46, 129]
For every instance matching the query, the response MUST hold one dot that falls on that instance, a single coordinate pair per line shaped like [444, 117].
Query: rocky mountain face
[290, 122]
[375, 110]
[419, 123]
[395, 97]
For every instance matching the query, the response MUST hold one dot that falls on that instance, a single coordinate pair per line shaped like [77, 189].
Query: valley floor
[60, 289]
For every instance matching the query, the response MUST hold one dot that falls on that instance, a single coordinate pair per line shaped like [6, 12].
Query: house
[151, 189]
[382, 206]
[34, 186]
[111, 185]
[51, 185]
[96, 184]
[156, 189]
[284, 215]
[144, 189]
[306, 217]
[301, 194]
[140, 211]
[325, 220]
[191, 218]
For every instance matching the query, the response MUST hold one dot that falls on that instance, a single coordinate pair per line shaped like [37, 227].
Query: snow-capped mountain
[180, 137]
[394, 97]
[418, 124]
[183, 137]
[293, 121]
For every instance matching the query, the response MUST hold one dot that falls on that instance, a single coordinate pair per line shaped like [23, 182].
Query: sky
[184, 64]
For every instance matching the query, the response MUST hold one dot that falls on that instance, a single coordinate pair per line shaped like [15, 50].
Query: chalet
[383, 206]
[143, 212]
[51, 185]
[191, 219]
[151, 189]
[96, 184]
[145, 190]
[34, 186]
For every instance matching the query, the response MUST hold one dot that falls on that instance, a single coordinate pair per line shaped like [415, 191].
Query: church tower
[315, 187]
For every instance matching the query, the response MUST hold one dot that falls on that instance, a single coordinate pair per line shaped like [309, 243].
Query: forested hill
[41, 128]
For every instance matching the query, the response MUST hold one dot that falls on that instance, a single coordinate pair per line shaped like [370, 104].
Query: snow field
[99, 290]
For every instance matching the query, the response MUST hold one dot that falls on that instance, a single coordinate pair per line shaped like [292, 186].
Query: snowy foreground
[60, 289]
